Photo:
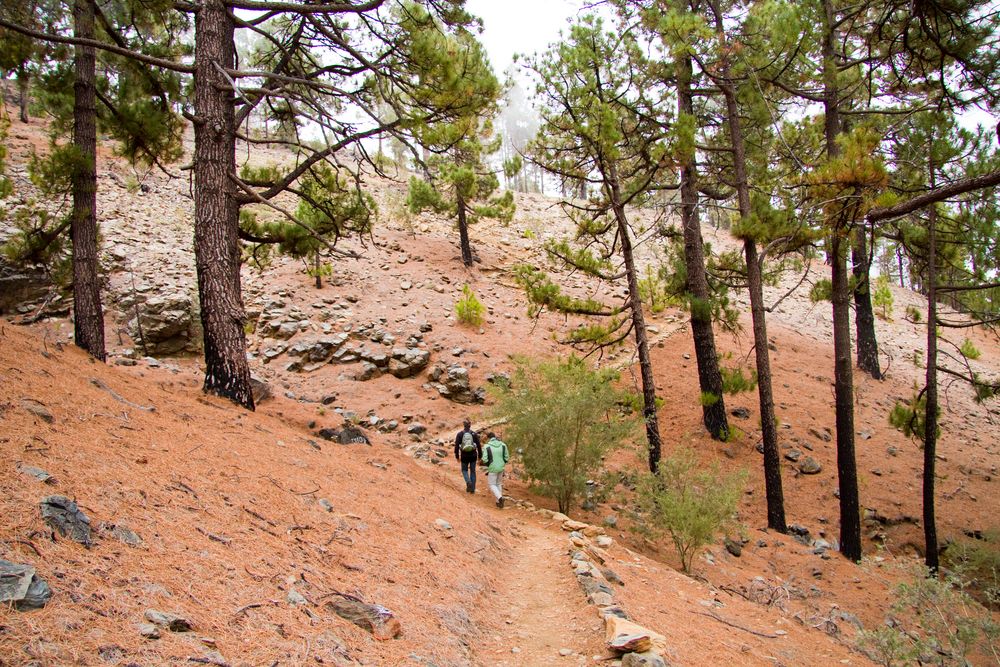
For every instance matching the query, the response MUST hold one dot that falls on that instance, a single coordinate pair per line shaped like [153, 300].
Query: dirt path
[543, 617]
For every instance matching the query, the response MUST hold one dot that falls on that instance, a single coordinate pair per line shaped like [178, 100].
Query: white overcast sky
[520, 26]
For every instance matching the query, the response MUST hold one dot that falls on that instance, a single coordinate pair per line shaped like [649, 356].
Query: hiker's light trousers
[495, 480]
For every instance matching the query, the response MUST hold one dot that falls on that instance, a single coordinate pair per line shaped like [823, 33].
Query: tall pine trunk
[709, 376]
[755, 287]
[931, 405]
[24, 89]
[843, 369]
[463, 228]
[639, 327]
[88, 315]
[864, 314]
[217, 255]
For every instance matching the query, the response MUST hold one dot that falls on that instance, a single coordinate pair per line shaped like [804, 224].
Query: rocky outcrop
[452, 382]
[162, 324]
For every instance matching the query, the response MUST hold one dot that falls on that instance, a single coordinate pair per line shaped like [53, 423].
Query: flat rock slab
[63, 515]
[171, 622]
[21, 587]
[372, 617]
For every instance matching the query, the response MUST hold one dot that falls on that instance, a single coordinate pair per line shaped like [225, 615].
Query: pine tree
[600, 127]
[461, 184]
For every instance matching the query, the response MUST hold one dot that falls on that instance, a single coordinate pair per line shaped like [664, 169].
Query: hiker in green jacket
[495, 456]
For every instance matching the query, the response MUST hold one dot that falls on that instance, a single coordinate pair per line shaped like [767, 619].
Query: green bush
[882, 298]
[469, 309]
[688, 502]
[969, 350]
[562, 417]
[948, 626]
[978, 563]
[913, 314]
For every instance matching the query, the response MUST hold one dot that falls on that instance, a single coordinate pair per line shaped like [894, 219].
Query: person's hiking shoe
[468, 488]
[500, 502]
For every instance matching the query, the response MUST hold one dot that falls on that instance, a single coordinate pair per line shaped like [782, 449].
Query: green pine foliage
[910, 417]
[469, 309]
[882, 298]
[969, 350]
[688, 502]
[563, 417]
[977, 562]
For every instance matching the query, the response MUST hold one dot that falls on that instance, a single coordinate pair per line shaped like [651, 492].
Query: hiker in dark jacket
[468, 451]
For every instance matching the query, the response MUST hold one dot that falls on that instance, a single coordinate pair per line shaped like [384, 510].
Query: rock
[612, 576]
[352, 435]
[407, 362]
[38, 409]
[631, 643]
[810, 466]
[295, 598]
[452, 382]
[647, 659]
[164, 324]
[37, 473]
[603, 541]
[171, 622]
[148, 630]
[416, 428]
[21, 587]
[823, 435]
[368, 371]
[375, 618]
[566, 652]
[741, 413]
[63, 515]
[441, 524]
[260, 389]
[570, 525]
[733, 547]
[123, 534]
[615, 627]
[793, 455]
[18, 287]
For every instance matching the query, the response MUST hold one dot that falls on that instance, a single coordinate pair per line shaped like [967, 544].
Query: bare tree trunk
[639, 326]
[217, 255]
[463, 229]
[850, 519]
[709, 376]
[88, 315]
[23, 91]
[755, 287]
[931, 405]
[864, 315]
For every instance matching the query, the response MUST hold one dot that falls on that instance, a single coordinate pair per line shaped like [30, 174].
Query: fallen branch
[213, 536]
[246, 607]
[431, 547]
[100, 385]
[27, 544]
[295, 493]
[734, 625]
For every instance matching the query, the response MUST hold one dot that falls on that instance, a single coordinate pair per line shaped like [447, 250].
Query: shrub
[913, 314]
[882, 297]
[969, 350]
[469, 309]
[688, 502]
[563, 417]
[978, 563]
[949, 625]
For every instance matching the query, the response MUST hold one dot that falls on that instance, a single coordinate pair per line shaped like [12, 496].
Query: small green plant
[735, 382]
[910, 417]
[913, 314]
[469, 309]
[708, 399]
[690, 503]
[821, 291]
[654, 291]
[528, 234]
[969, 350]
[882, 297]
[977, 561]
[918, 358]
[949, 625]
